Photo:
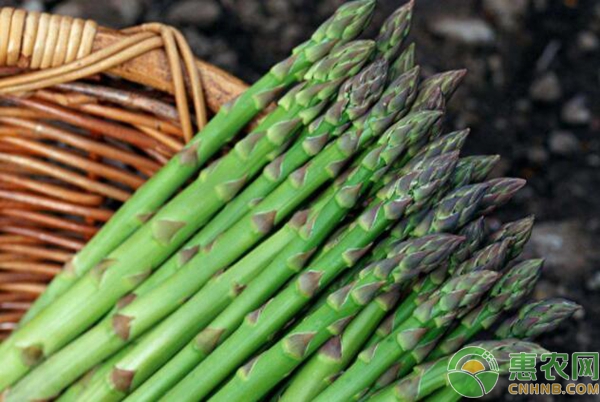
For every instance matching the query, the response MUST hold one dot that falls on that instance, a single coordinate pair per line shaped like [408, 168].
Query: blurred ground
[534, 73]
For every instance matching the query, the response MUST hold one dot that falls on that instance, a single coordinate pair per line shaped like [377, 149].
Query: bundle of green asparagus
[341, 250]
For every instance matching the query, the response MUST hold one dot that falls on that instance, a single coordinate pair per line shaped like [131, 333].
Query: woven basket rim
[72, 150]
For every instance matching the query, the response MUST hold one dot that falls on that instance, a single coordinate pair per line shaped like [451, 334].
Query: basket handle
[64, 49]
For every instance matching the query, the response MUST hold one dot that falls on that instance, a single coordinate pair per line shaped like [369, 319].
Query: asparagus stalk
[356, 96]
[518, 231]
[76, 390]
[428, 321]
[430, 377]
[509, 292]
[469, 170]
[450, 142]
[259, 325]
[536, 318]
[506, 293]
[436, 91]
[404, 63]
[447, 82]
[385, 245]
[489, 259]
[496, 192]
[338, 352]
[245, 233]
[257, 377]
[320, 370]
[176, 330]
[473, 169]
[347, 23]
[393, 32]
[446, 394]
[500, 191]
[474, 233]
[453, 211]
[393, 103]
[124, 268]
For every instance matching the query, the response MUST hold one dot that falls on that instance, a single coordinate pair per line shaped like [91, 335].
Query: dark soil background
[531, 95]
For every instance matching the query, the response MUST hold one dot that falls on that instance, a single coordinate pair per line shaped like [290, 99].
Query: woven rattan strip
[87, 114]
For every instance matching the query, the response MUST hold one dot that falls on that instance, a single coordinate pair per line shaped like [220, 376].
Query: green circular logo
[473, 372]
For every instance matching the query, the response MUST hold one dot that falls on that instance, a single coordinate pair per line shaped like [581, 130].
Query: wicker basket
[87, 114]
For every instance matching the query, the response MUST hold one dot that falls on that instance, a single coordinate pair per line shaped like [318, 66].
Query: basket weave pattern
[87, 114]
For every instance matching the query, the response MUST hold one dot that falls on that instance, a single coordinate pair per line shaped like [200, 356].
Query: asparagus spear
[453, 211]
[404, 63]
[500, 191]
[174, 332]
[124, 268]
[496, 192]
[393, 103]
[393, 32]
[510, 290]
[76, 390]
[429, 320]
[347, 23]
[469, 170]
[474, 233]
[473, 169]
[447, 82]
[489, 258]
[494, 253]
[245, 233]
[436, 91]
[427, 378]
[333, 357]
[518, 231]
[259, 325]
[446, 394]
[257, 377]
[508, 293]
[536, 318]
[356, 96]
[320, 370]
[450, 142]
[385, 245]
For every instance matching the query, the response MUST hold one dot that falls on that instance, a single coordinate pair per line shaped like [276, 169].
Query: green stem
[125, 268]
[286, 264]
[311, 142]
[174, 331]
[258, 326]
[348, 21]
[429, 320]
[319, 372]
[260, 375]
